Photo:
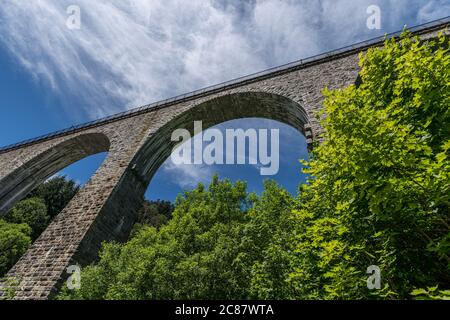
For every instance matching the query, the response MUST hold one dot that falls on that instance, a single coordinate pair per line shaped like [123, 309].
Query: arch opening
[213, 112]
[159, 146]
[16, 185]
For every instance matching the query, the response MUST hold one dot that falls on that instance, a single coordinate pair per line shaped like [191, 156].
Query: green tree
[266, 243]
[35, 213]
[56, 193]
[221, 243]
[32, 212]
[155, 213]
[14, 241]
[380, 192]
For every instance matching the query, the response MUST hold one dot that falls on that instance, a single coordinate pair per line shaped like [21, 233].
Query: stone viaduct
[138, 142]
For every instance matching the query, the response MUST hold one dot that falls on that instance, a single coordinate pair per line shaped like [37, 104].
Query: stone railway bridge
[138, 142]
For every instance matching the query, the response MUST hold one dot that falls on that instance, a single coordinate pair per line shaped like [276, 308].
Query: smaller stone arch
[16, 185]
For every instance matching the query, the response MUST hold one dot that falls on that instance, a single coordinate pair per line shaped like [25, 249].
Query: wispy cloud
[434, 10]
[129, 53]
[188, 175]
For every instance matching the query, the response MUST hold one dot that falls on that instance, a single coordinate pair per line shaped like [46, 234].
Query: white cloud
[129, 53]
[188, 175]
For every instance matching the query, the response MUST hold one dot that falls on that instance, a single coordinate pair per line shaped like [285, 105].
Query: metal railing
[289, 67]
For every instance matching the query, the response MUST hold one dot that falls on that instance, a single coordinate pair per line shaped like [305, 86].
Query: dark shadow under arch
[24, 179]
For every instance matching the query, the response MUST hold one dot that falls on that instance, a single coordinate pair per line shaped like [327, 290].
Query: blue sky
[130, 53]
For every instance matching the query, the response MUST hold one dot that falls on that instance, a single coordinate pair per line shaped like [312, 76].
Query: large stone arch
[45, 164]
[158, 146]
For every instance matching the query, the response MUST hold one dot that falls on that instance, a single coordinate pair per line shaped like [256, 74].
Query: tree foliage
[267, 243]
[30, 217]
[14, 241]
[56, 193]
[32, 212]
[380, 192]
